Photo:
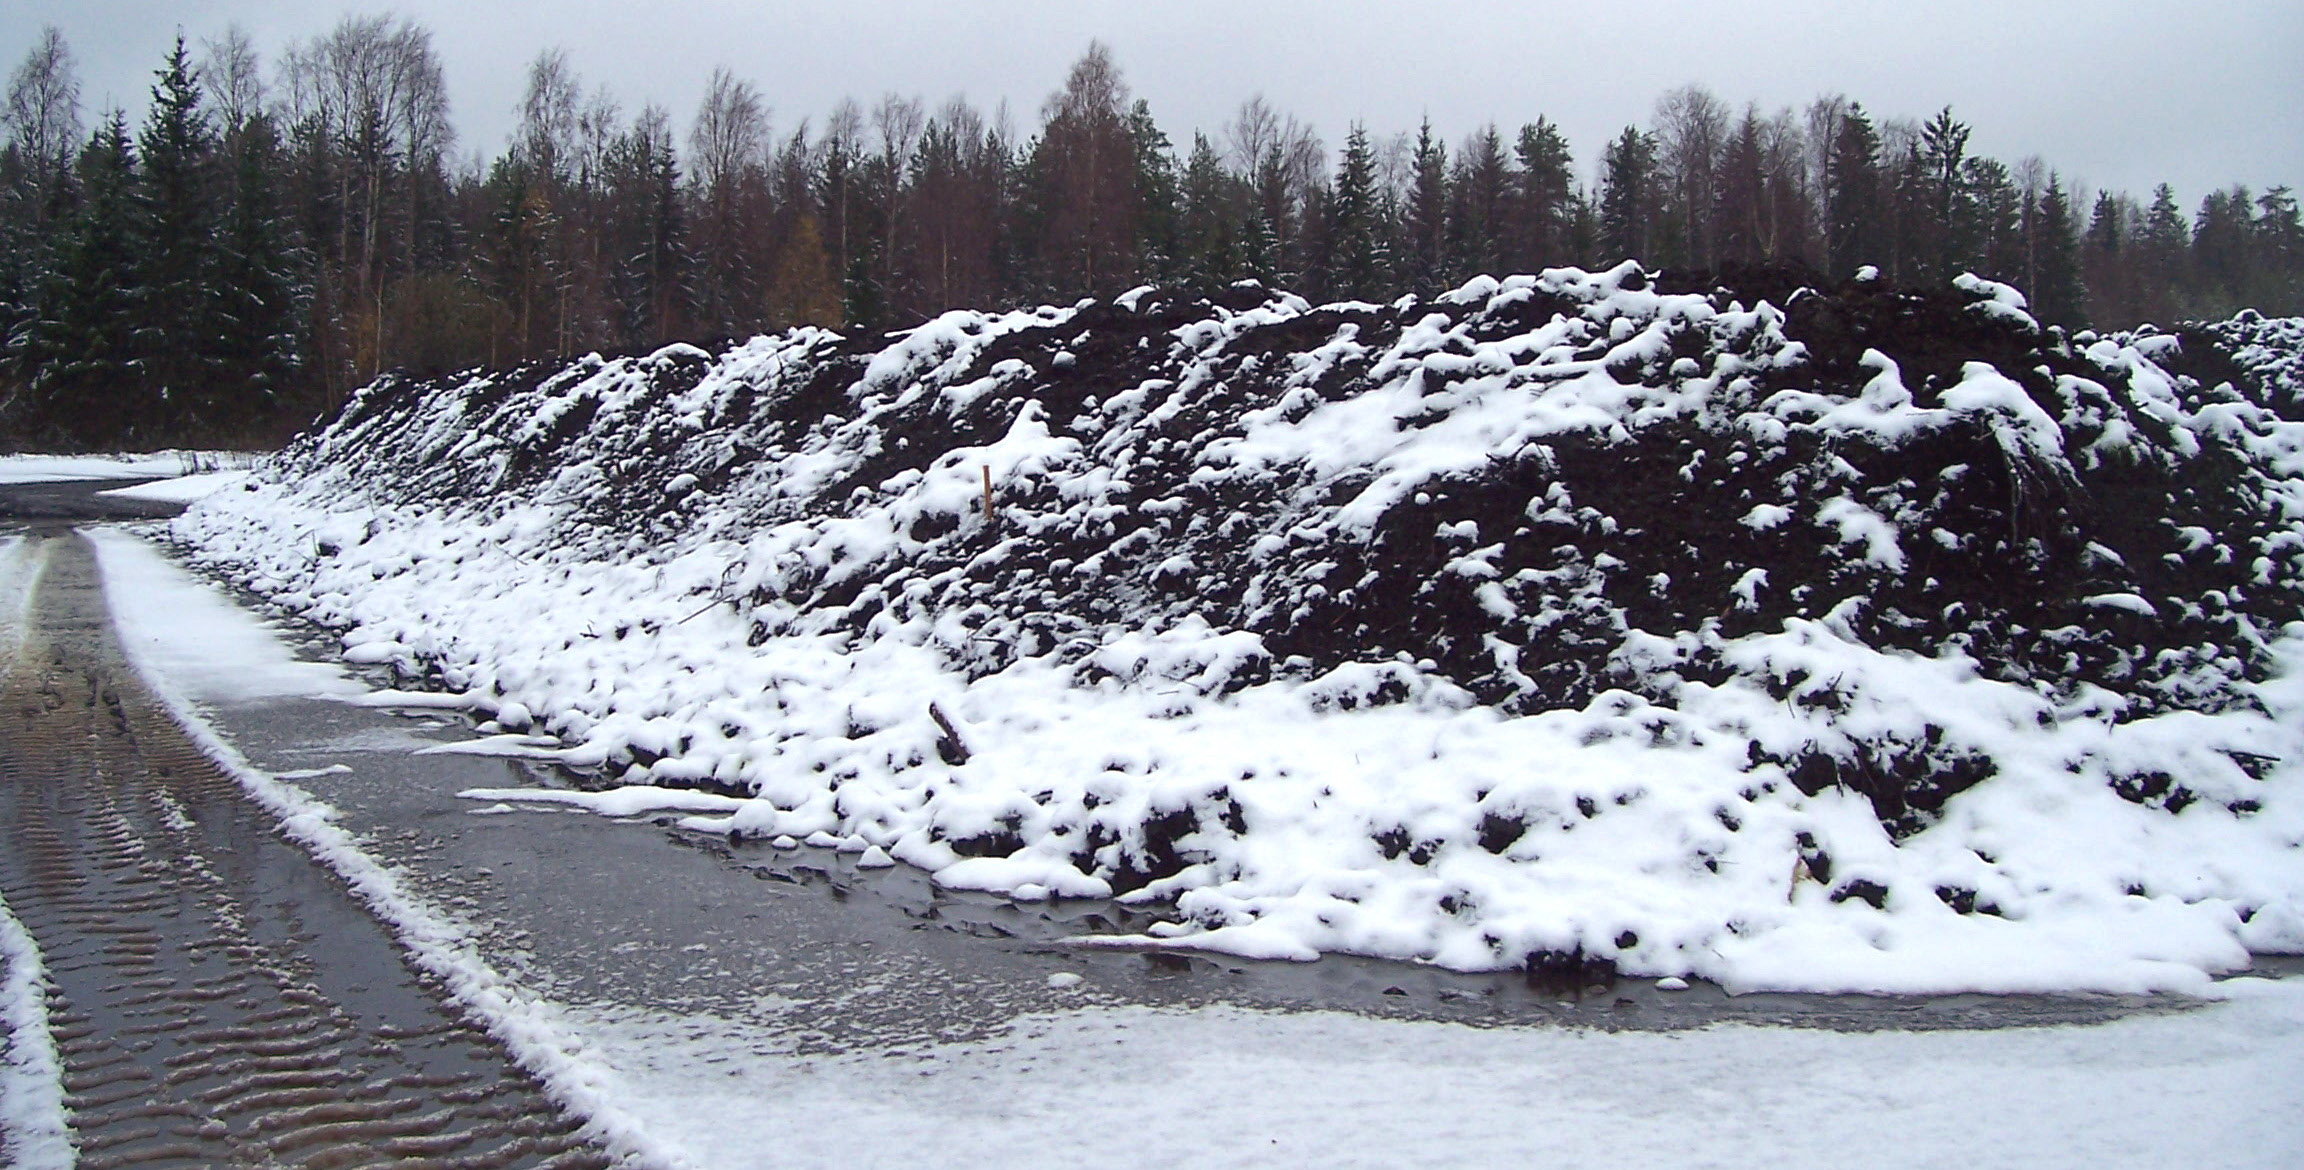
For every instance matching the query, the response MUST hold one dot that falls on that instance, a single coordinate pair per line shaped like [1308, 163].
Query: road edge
[528, 1025]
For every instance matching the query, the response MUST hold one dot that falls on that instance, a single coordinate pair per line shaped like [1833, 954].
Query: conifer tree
[2279, 253]
[1207, 224]
[1994, 220]
[2220, 239]
[1157, 245]
[1426, 216]
[1479, 190]
[1852, 195]
[259, 289]
[1544, 189]
[1627, 196]
[177, 328]
[1943, 151]
[1740, 212]
[77, 357]
[1358, 266]
[2059, 299]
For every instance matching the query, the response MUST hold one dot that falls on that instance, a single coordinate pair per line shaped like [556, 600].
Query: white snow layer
[19, 570]
[2221, 1086]
[179, 662]
[35, 1129]
[211, 650]
[152, 465]
[181, 490]
[1647, 835]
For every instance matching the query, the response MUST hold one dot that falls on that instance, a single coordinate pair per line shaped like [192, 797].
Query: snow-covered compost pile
[1854, 639]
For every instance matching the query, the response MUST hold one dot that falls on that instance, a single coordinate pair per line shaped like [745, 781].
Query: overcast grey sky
[2113, 94]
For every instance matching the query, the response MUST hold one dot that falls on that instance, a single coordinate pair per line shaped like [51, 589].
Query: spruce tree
[2279, 253]
[1206, 228]
[259, 290]
[1544, 187]
[2220, 239]
[2060, 299]
[2164, 228]
[1990, 220]
[1427, 215]
[1357, 266]
[1479, 189]
[1157, 245]
[177, 329]
[1852, 195]
[1943, 152]
[77, 356]
[1627, 196]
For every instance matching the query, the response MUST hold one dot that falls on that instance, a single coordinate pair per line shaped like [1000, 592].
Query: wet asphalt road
[217, 997]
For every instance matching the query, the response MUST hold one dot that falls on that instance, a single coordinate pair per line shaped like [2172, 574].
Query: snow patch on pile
[777, 575]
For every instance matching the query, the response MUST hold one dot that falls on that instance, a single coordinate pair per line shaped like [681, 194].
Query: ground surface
[745, 1006]
[217, 997]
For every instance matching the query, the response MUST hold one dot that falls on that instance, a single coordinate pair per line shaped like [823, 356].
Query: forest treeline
[266, 238]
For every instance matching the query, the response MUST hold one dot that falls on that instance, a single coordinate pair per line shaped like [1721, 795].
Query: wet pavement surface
[51, 505]
[218, 998]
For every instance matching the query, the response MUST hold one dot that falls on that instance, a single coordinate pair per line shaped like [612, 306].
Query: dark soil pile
[1528, 492]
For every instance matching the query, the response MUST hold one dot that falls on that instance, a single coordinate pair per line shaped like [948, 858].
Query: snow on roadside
[19, 572]
[147, 465]
[181, 490]
[209, 648]
[1118, 683]
[184, 662]
[35, 1127]
[2217, 1086]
